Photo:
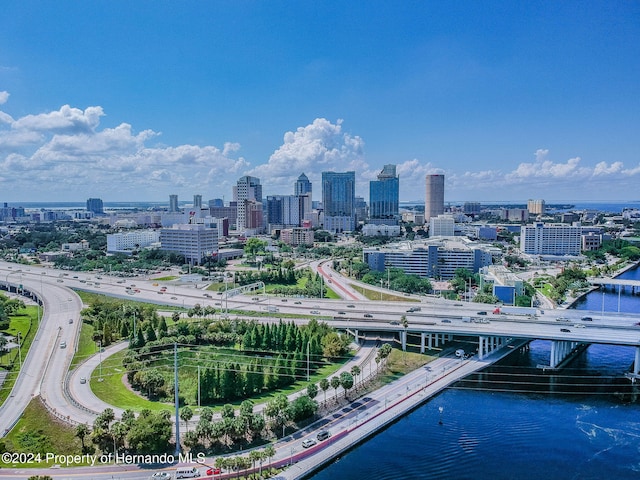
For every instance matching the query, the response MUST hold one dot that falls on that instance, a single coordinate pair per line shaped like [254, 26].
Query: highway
[46, 365]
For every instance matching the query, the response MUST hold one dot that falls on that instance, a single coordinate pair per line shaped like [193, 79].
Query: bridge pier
[636, 363]
[422, 336]
[403, 337]
[562, 350]
[486, 345]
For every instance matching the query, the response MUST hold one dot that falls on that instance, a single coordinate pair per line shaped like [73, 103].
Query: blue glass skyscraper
[338, 201]
[384, 197]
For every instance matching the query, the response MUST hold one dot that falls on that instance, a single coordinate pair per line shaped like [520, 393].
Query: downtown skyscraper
[384, 197]
[339, 200]
[434, 199]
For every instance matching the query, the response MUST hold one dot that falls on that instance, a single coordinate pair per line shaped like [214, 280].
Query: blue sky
[138, 100]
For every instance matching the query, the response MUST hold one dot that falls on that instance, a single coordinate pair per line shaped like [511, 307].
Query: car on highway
[315, 312]
[323, 435]
[445, 320]
[309, 442]
[481, 313]
[342, 313]
[63, 344]
[213, 471]
[579, 325]
[284, 300]
[586, 319]
[83, 380]
[394, 322]
[71, 320]
[174, 298]
[565, 330]
[351, 306]
[413, 309]
[298, 303]
[368, 315]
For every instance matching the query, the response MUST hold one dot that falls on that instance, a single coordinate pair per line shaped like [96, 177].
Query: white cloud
[67, 155]
[317, 147]
[4, 96]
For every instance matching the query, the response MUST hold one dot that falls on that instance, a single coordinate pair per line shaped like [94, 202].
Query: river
[512, 422]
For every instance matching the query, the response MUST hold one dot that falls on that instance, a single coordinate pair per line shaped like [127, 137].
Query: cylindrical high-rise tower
[434, 200]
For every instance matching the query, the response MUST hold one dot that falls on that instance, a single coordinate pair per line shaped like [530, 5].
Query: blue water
[511, 422]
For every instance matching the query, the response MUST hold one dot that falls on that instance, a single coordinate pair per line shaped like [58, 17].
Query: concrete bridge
[570, 332]
[620, 283]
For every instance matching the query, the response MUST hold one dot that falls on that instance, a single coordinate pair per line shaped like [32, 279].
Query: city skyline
[507, 101]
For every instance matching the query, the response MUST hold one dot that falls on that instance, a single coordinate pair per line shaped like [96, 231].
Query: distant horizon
[405, 202]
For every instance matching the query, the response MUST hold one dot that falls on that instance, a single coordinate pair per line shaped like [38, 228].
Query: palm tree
[324, 385]
[186, 414]
[82, 430]
[335, 383]
[355, 371]
[269, 452]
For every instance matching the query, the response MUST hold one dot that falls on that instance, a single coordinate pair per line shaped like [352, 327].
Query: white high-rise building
[442, 226]
[553, 239]
[194, 241]
[129, 241]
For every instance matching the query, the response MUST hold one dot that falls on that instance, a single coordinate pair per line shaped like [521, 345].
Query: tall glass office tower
[302, 186]
[384, 197]
[338, 201]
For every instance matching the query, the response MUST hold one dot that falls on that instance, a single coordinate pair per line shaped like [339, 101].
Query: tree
[82, 430]
[270, 452]
[186, 414]
[335, 383]
[324, 385]
[312, 390]
[346, 381]
[355, 371]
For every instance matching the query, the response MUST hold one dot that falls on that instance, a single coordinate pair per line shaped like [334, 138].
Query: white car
[309, 442]
[160, 476]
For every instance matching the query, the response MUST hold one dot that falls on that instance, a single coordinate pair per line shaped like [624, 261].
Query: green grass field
[38, 432]
[26, 323]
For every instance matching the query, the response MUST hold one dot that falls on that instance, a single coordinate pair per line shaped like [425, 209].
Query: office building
[302, 186]
[434, 200]
[193, 241]
[95, 205]
[130, 241]
[536, 207]
[471, 208]
[297, 236]
[431, 259]
[338, 200]
[384, 197]
[442, 226]
[247, 188]
[552, 239]
[197, 202]
[173, 203]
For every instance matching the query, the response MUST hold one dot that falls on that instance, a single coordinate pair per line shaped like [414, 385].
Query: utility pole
[175, 387]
